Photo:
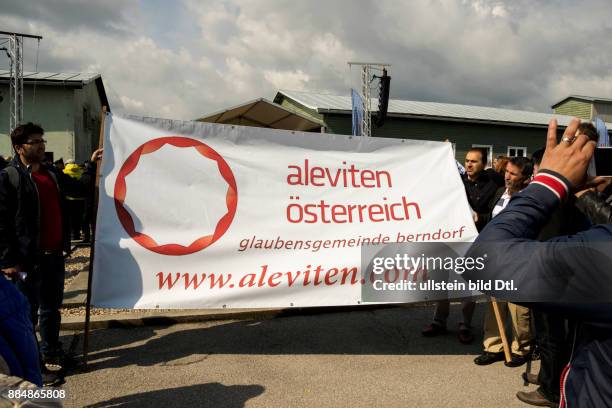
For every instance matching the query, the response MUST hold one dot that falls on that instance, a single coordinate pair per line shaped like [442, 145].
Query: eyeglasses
[35, 142]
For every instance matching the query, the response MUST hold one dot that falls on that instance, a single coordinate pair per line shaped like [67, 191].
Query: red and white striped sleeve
[554, 182]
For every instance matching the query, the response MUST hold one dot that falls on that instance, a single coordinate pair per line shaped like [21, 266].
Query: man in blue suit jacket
[571, 274]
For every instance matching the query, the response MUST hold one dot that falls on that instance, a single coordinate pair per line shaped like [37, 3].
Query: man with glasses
[35, 233]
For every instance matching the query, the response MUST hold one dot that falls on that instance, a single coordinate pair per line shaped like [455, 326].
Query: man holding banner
[479, 189]
[35, 232]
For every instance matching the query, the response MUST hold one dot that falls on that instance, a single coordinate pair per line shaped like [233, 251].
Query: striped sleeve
[554, 182]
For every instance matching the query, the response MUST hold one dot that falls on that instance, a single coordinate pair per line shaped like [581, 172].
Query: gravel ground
[79, 262]
[76, 263]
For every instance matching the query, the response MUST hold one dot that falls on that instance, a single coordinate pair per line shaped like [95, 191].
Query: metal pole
[15, 54]
[19, 80]
[20, 34]
[366, 122]
[12, 54]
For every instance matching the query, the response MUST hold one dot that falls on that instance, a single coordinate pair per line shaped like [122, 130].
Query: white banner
[199, 215]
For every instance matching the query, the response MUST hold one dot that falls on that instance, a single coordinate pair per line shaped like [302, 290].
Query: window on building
[517, 151]
[489, 149]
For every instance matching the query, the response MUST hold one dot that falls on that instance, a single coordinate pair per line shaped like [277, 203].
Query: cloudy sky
[183, 59]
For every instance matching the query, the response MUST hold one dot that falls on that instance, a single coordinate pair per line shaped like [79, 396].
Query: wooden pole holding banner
[502, 330]
[93, 241]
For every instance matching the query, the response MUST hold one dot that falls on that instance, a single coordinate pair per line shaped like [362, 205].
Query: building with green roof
[66, 105]
[506, 132]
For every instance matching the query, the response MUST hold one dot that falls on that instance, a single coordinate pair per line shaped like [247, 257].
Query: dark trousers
[76, 211]
[87, 221]
[553, 343]
[443, 311]
[44, 289]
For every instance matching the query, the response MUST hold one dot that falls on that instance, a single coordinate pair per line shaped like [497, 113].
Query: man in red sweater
[34, 232]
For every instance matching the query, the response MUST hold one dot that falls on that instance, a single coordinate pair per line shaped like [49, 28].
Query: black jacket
[479, 194]
[484, 218]
[20, 212]
[496, 177]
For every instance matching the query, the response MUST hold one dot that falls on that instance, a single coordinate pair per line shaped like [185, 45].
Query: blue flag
[604, 137]
[357, 112]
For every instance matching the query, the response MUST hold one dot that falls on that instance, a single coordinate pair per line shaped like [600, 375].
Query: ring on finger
[568, 140]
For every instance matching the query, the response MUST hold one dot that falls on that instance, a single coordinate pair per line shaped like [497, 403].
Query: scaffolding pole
[366, 121]
[15, 54]
[366, 68]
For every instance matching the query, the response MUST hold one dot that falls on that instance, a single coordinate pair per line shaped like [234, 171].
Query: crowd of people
[537, 330]
[546, 193]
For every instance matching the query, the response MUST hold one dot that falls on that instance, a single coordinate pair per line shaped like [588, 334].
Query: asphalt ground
[372, 358]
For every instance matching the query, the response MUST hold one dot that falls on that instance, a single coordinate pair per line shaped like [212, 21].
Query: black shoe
[433, 329]
[530, 378]
[517, 360]
[60, 362]
[465, 335]
[52, 379]
[535, 398]
[487, 358]
[53, 365]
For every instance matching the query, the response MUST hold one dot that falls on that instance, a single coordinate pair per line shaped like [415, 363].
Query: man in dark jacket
[571, 267]
[34, 232]
[479, 189]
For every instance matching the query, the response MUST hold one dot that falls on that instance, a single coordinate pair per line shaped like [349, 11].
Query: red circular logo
[231, 198]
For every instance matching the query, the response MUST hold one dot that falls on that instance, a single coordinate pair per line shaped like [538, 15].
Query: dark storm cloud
[72, 15]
